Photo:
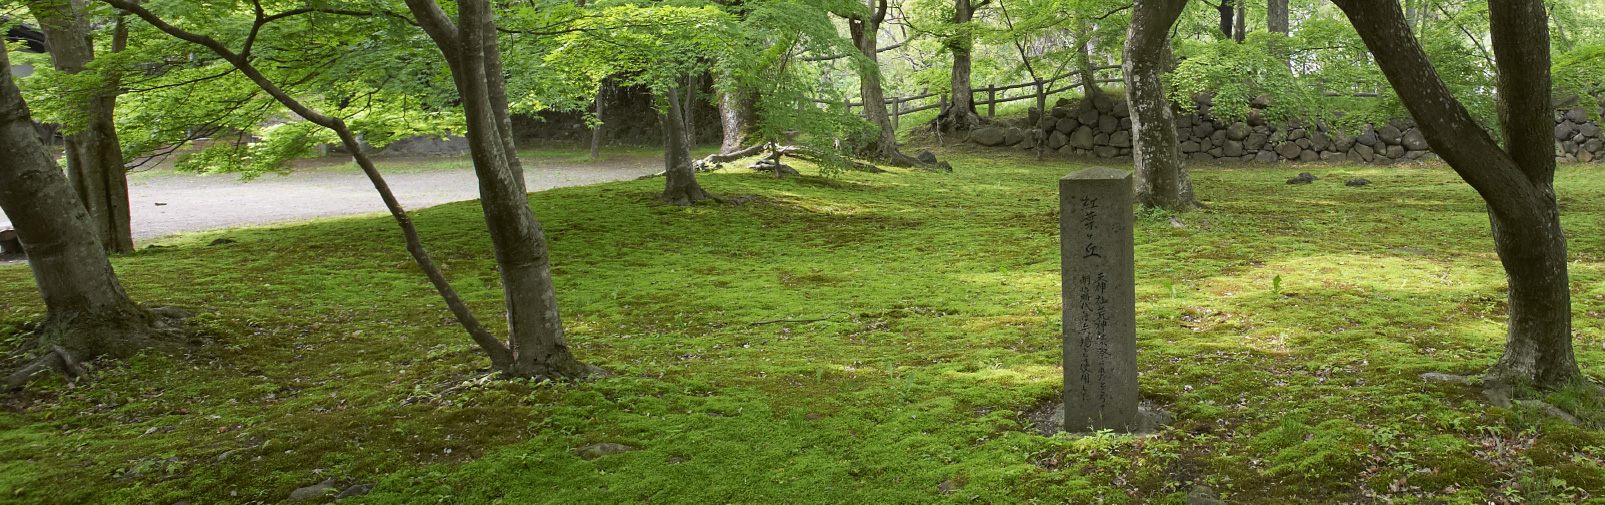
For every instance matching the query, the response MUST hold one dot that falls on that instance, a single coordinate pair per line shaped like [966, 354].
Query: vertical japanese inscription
[1100, 368]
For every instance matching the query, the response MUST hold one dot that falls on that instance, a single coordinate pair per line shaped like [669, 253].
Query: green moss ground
[1284, 327]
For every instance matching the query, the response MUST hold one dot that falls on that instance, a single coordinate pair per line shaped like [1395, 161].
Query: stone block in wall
[1048, 123]
[1394, 151]
[1030, 140]
[1218, 138]
[1564, 130]
[1068, 150]
[1082, 138]
[1104, 103]
[1594, 145]
[1067, 125]
[1217, 152]
[1120, 138]
[1237, 131]
[1203, 129]
[1308, 156]
[1320, 141]
[1577, 115]
[1255, 141]
[1288, 150]
[1414, 155]
[1342, 142]
[1204, 144]
[1232, 148]
[1125, 123]
[1105, 151]
[1108, 124]
[1188, 147]
[1568, 147]
[1122, 109]
[1255, 117]
[1101, 139]
[1367, 138]
[1088, 117]
[1201, 157]
[1413, 140]
[989, 136]
[1264, 156]
[1013, 136]
[1060, 111]
[1304, 143]
[1586, 156]
[1057, 139]
[1296, 133]
[1125, 151]
[1332, 156]
[1590, 130]
[1390, 135]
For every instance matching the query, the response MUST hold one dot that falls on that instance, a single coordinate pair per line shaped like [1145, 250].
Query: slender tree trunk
[1089, 77]
[87, 312]
[596, 131]
[1517, 182]
[960, 114]
[1240, 28]
[680, 180]
[94, 156]
[884, 147]
[689, 111]
[534, 326]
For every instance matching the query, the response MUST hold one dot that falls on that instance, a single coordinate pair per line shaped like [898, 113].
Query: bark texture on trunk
[1276, 19]
[864, 32]
[1516, 182]
[1240, 28]
[535, 328]
[736, 119]
[960, 114]
[680, 180]
[94, 155]
[1162, 181]
[1226, 13]
[87, 312]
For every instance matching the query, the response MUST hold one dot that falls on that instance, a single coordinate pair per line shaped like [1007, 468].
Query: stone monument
[1100, 301]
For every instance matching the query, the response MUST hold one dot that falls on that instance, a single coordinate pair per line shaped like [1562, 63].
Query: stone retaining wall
[1102, 128]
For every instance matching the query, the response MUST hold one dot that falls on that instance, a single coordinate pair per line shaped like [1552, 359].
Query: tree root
[57, 360]
[1499, 394]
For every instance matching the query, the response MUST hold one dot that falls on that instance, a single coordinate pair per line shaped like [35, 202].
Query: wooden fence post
[991, 99]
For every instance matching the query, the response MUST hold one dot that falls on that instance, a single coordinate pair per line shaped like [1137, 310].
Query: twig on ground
[832, 314]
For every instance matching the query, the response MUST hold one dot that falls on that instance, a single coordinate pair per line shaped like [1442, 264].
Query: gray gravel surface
[163, 202]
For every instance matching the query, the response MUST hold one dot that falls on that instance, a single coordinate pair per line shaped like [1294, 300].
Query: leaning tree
[87, 313]
[536, 346]
[1516, 179]
[1162, 182]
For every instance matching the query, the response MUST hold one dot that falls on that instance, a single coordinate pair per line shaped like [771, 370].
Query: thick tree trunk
[1276, 19]
[884, 147]
[1517, 182]
[87, 312]
[735, 118]
[680, 181]
[689, 111]
[94, 156]
[1162, 182]
[960, 114]
[1226, 13]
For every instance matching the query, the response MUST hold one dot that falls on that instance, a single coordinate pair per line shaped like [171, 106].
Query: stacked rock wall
[1101, 128]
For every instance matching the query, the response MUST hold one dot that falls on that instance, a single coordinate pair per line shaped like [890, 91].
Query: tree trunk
[1162, 182]
[960, 114]
[1276, 19]
[1240, 28]
[884, 147]
[534, 326]
[1517, 182]
[596, 131]
[94, 156]
[735, 116]
[680, 180]
[87, 312]
[689, 111]
[1089, 77]
[1226, 13]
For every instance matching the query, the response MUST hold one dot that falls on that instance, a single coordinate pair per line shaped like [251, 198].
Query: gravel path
[163, 202]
